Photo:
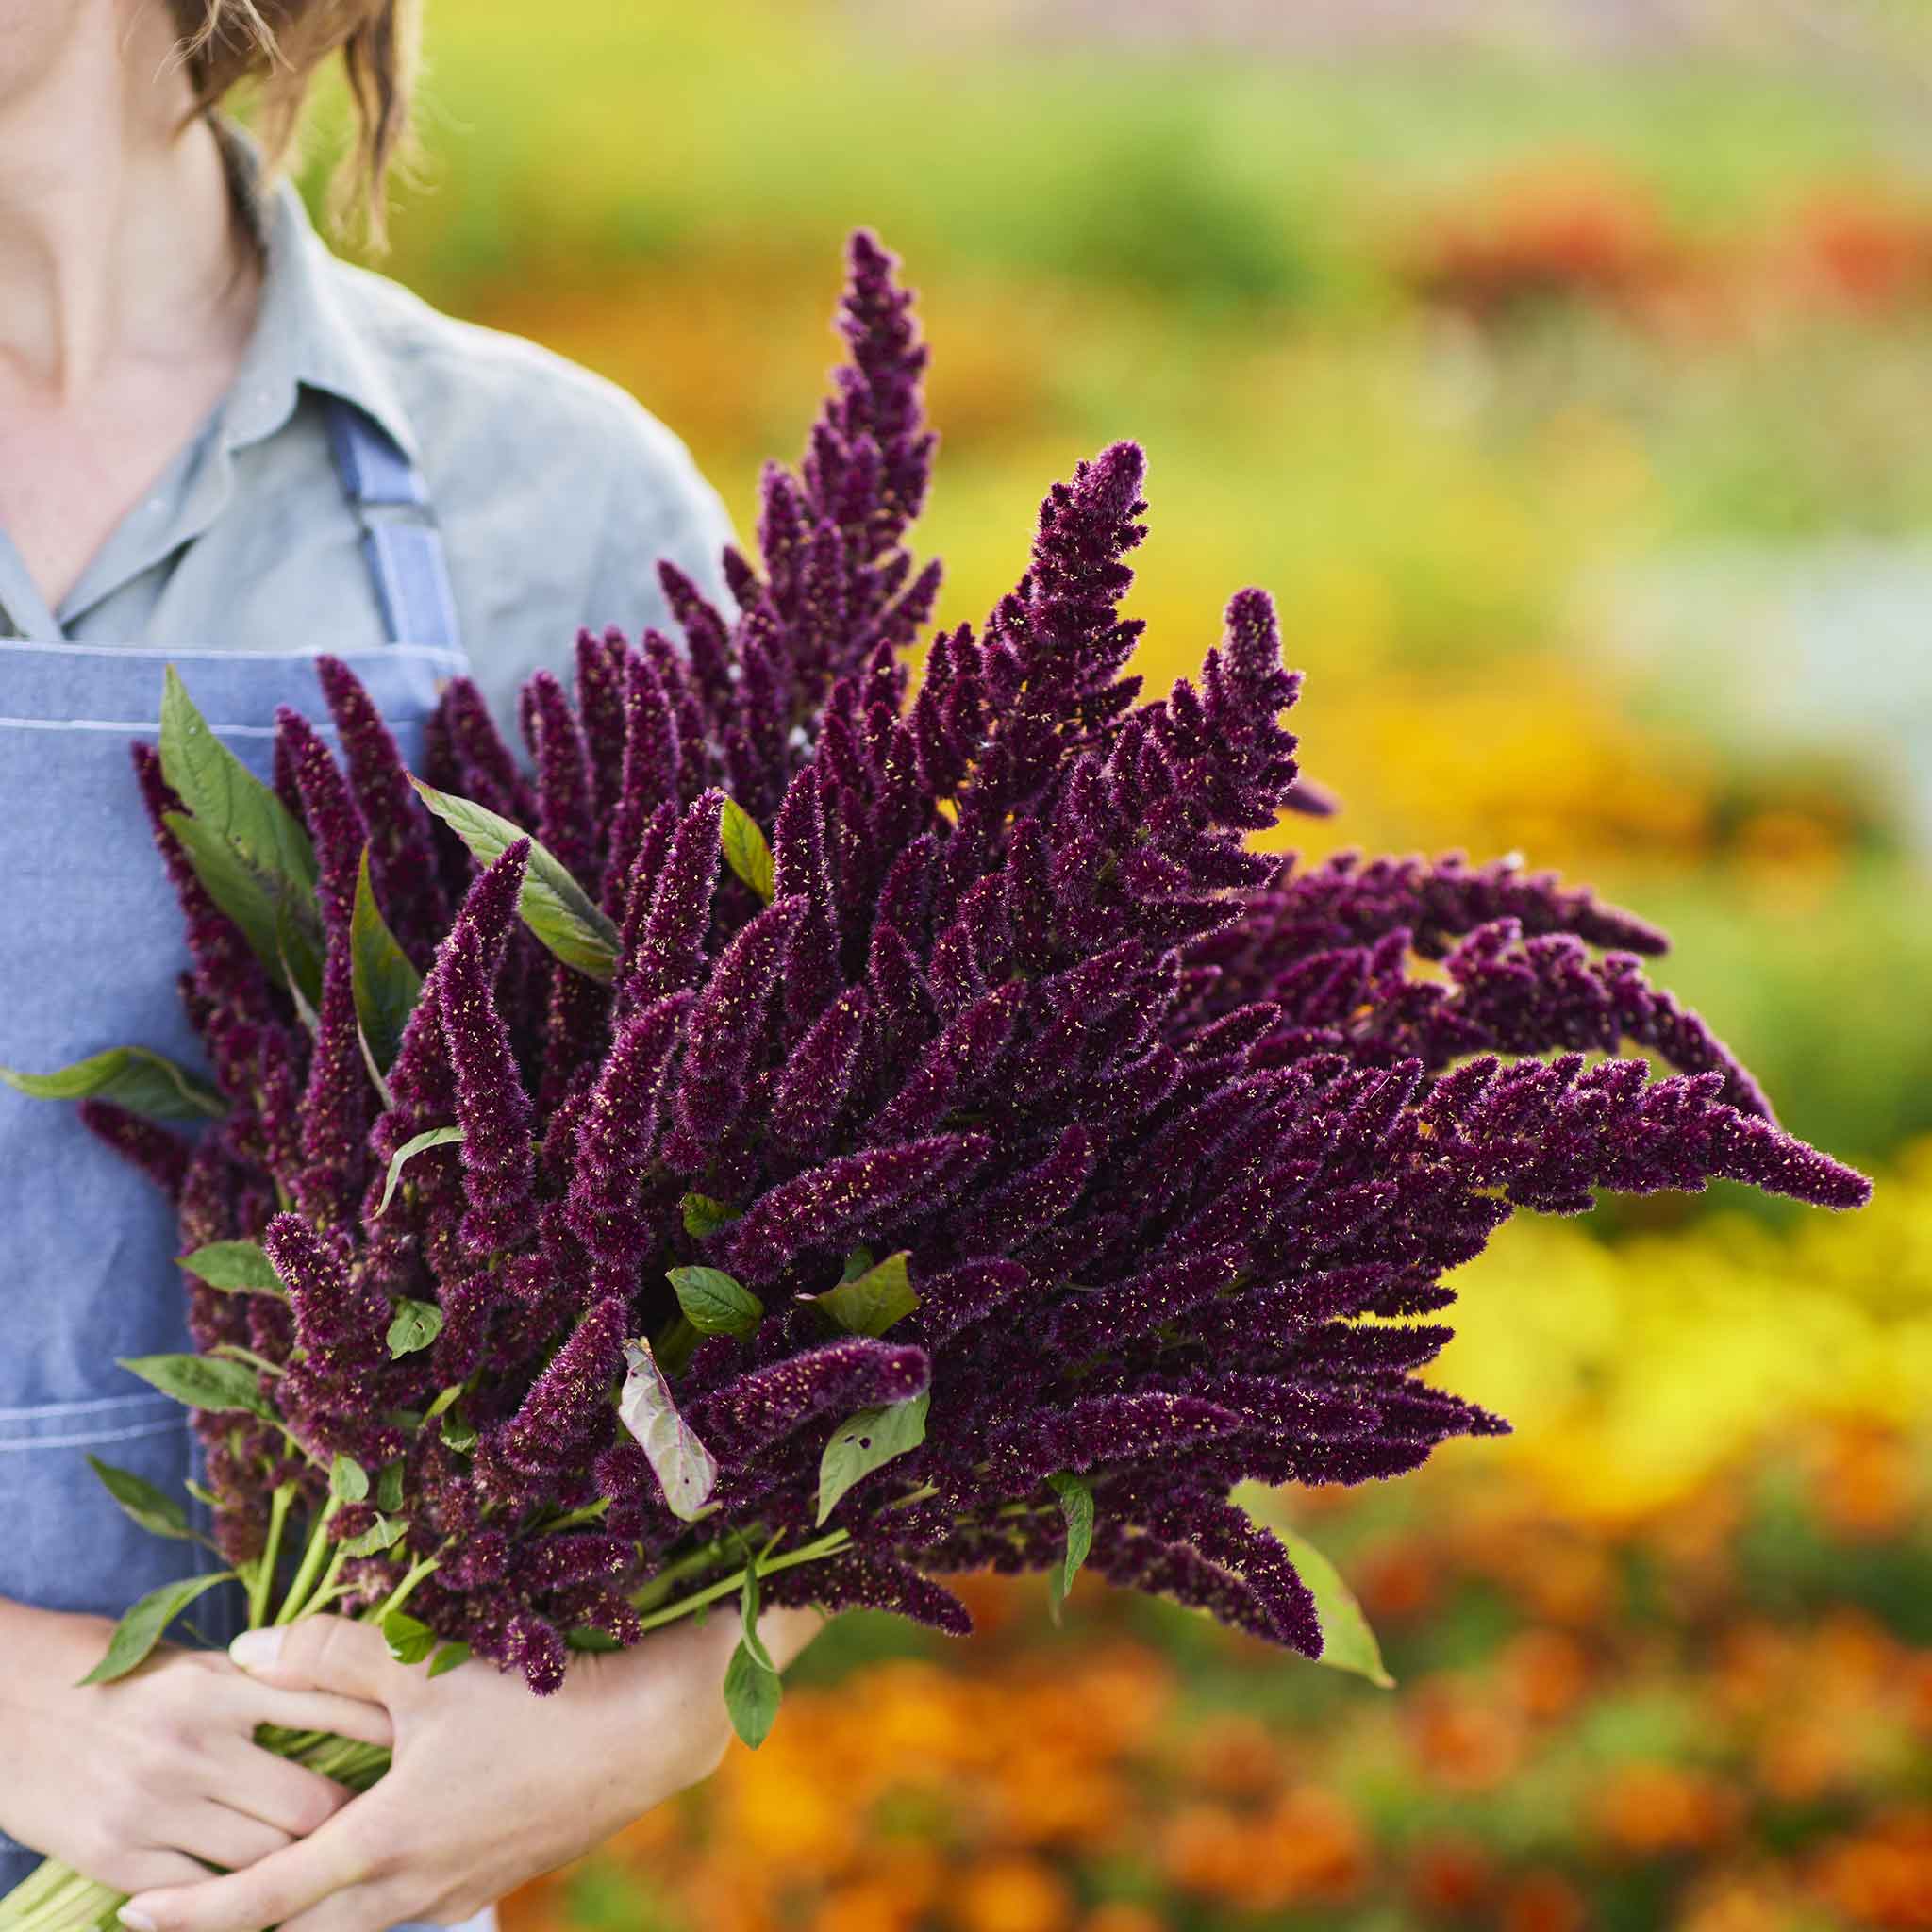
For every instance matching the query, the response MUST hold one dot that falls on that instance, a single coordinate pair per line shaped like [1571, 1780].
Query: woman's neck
[118, 239]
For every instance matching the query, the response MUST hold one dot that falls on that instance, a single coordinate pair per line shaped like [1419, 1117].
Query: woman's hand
[132, 1782]
[489, 1787]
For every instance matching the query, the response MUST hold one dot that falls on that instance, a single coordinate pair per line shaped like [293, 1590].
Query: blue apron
[91, 942]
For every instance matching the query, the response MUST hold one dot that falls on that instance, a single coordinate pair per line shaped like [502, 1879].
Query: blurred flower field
[1467, 359]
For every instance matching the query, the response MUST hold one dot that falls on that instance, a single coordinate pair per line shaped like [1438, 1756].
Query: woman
[221, 447]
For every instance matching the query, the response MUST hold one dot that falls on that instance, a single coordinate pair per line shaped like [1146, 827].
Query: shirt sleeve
[661, 505]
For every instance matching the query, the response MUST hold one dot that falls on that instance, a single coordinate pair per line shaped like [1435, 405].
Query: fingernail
[254, 1650]
[138, 1921]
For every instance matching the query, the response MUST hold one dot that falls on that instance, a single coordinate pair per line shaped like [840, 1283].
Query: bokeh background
[1566, 371]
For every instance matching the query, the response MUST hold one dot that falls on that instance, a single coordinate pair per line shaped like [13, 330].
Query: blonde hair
[280, 47]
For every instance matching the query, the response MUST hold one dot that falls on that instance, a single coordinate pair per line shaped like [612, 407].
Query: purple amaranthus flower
[1006, 1129]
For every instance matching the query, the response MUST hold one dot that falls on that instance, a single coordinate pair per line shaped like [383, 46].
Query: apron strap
[400, 538]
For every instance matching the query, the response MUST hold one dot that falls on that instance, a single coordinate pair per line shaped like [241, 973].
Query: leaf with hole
[866, 1441]
[414, 1324]
[686, 1470]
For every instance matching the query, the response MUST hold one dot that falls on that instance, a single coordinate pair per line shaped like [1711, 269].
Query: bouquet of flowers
[818, 1131]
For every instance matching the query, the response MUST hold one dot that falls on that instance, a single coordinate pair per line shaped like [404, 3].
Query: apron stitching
[167, 1425]
[85, 1402]
[453, 652]
[142, 724]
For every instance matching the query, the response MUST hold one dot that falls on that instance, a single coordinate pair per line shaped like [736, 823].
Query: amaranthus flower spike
[935, 1137]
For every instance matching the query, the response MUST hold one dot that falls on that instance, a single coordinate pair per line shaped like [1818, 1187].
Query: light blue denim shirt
[555, 492]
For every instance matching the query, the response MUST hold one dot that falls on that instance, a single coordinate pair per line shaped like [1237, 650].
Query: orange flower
[1307, 1845]
[1546, 1672]
[1236, 1756]
[1542, 1902]
[1450, 1876]
[1647, 1810]
[1883, 1878]
[1119, 1916]
[1463, 1741]
[1013, 1894]
[866, 1907]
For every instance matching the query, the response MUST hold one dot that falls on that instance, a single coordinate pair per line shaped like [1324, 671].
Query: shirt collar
[305, 335]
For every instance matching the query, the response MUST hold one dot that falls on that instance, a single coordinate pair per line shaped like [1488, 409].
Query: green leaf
[414, 1326]
[448, 1657]
[225, 795]
[235, 1267]
[864, 1442]
[856, 1263]
[1077, 1506]
[289, 943]
[752, 1696]
[201, 1381]
[458, 1434]
[745, 850]
[704, 1216]
[686, 1470]
[409, 1641]
[555, 907]
[1347, 1642]
[151, 1507]
[348, 1479]
[714, 1303]
[870, 1303]
[598, 1642]
[431, 1136]
[389, 1487]
[445, 1398]
[387, 985]
[381, 1535]
[130, 1077]
[137, 1633]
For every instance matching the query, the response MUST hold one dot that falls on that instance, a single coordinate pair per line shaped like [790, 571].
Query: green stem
[647, 1596]
[271, 1554]
[727, 1586]
[591, 1512]
[402, 1591]
[314, 1557]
